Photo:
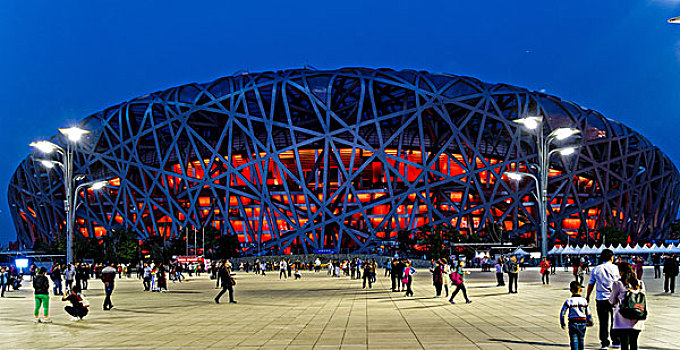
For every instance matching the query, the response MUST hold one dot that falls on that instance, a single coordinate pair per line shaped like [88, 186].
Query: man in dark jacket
[670, 271]
[397, 269]
[55, 275]
[227, 282]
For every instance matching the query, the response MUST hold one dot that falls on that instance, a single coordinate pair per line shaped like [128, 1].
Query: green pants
[43, 299]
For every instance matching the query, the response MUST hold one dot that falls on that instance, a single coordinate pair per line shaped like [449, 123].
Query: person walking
[146, 279]
[41, 287]
[545, 271]
[656, 261]
[408, 277]
[446, 271]
[602, 279]
[437, 280]
[108, 278]
[77, 309]
[627, 329]
[578, 313]
[670, 271]
[512, 269]
[224, 274]
[639, 264]
[458, 279]
[69, 276]
[396, 273]
[369, 269]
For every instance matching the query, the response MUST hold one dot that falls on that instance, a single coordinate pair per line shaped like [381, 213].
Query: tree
[228, 246]
[612, 236]
[404, 242]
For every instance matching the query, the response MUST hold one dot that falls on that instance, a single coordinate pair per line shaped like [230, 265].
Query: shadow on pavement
[537, 343]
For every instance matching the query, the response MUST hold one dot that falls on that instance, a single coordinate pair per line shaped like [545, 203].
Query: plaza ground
[321, 312]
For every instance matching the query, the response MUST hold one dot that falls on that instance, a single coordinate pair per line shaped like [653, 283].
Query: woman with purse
[437, 278]
[458, 280]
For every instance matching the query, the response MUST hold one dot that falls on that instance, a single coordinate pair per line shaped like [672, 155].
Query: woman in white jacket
[628, 330]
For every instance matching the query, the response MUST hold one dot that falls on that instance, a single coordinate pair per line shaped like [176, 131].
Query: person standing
[627, 330]
[146, 278]
[499, 272]
[224, 274]
[578, 312]
[656, 261]
[283, 267]
[437, 278]
[545, 271]
[396, 274]
[369, 269]
[408, 278]
[4, 281]
[512, 269]
[639, 263]
[41, 287]
[602, 279]
[670, 271]
[460, 283]
[108, 278]
[69, 275]
[56, 280]
[446, 271]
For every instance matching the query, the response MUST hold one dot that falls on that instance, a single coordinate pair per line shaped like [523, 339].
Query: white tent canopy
[619, 249]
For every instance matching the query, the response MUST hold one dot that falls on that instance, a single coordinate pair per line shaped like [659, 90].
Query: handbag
[232, 281]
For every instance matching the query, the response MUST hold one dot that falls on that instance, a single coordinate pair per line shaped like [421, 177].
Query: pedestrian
[224, 274]
[445, 275]
[388, 268]
[55, 276]
[78, 309]
[146, 279]
[639, 263]
[629, 287]
[408, 278]
[512, 269]
[602, 279]
[84, 276]
[545, 271]
[656, 261]
[283, 266]
[289, 267]
[499, 272]
[297, 273]
[395, 274]
[369, 269]
[670, 271]
[458, 279]
[437, 279]
[108, 278]
[41, 287]
[69, 276]
[579, 317]
[4, 281]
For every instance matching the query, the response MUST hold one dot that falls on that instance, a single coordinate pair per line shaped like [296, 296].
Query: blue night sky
[63, 60]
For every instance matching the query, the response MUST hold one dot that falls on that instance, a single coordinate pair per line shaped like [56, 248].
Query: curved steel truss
[346, 158]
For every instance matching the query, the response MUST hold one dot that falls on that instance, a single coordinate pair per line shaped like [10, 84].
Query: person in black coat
[397, 268]
[227, 282]
[670, 271]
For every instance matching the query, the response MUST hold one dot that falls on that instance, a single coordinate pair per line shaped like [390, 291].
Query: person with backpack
[670, 271]
[511, 267]
[630, 306]
[458, 279]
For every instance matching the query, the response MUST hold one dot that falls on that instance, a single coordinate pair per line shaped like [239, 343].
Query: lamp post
[73, 135]
[534, 125]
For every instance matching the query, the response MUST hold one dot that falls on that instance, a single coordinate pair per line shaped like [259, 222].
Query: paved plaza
[321, 312]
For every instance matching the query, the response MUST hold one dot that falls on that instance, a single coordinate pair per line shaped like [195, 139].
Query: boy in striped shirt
[577, 310]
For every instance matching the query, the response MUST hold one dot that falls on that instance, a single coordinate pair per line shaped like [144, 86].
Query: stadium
[301, 160]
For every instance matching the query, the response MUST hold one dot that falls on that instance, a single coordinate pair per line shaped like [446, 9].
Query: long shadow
[490, 295]
[182, 292]
[529, 342]
[140, 311]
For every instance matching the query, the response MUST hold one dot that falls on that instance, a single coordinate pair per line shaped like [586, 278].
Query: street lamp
[73, 135]
[535, 126]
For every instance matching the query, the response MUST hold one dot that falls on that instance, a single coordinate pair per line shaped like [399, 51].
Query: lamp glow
[567, 151]
[74, 133]
[47, 164]
[99, 185]
[514, 175]
[43, 146]
[563, 133]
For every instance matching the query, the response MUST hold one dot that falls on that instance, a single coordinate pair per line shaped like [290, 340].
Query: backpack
[456, 279]
[634, 306]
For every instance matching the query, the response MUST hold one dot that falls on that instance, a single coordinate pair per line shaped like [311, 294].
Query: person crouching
[77, 309]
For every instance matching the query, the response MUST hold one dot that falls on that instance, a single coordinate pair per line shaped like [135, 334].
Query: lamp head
[44, 146]
[567, 151]
[531, 123]
[74, 133]
[47, 164]
[513, 175]
[563, 133]
[99, 185]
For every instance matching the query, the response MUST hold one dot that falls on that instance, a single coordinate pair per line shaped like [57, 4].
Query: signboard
[189, 259]
[324, 251]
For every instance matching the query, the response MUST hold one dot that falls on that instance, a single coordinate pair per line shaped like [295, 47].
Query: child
[579, 316]
[298, 275]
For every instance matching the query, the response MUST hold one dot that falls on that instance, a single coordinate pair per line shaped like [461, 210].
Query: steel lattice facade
[307, 159]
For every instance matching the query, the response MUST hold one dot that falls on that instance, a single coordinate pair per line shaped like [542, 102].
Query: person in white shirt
[283, 267]
[578, 313]
[602, 279]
